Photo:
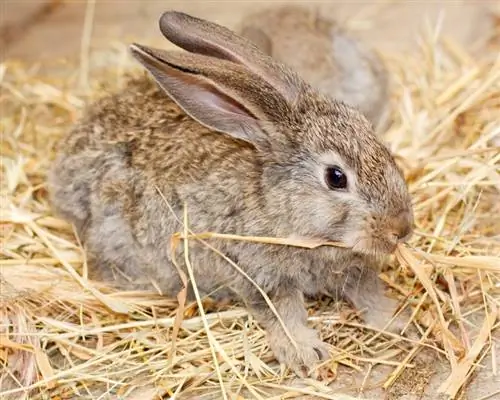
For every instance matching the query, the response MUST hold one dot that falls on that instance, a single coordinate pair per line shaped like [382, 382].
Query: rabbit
[249, 148]
[327, 56]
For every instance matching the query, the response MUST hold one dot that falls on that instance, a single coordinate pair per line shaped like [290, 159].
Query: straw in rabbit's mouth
[302, 242]
[366, 246]
[374, 247]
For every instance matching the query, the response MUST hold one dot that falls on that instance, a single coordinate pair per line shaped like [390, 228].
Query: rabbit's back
[139, 138]
[155, 137]
[143, 121]
[127, 169]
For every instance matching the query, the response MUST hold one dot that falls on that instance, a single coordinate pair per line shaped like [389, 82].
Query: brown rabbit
[250, 149]
[325, 55]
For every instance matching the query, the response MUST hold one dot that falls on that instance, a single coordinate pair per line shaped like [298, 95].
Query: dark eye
[335, 178]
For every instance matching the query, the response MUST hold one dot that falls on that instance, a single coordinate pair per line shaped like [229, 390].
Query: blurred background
[37, 30]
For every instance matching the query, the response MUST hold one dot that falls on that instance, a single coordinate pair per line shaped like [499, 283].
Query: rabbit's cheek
[351, 227]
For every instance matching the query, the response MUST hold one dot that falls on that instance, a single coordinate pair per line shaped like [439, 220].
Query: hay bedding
[63, 336]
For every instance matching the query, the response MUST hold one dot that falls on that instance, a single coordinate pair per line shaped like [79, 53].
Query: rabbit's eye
[335, 178]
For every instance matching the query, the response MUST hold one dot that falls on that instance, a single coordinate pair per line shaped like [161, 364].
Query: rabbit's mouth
[381, 234]
[375, 246]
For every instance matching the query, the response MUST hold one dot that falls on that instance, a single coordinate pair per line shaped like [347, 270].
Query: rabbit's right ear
[203, 37]
[221, 95]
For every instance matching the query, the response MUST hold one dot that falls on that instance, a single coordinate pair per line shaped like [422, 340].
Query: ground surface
[46, 30]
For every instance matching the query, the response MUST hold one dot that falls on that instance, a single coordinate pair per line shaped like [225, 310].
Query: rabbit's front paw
[309, 350]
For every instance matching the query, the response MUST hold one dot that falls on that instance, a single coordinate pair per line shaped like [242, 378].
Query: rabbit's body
[125, 172]
[328, 57]
[138, 168]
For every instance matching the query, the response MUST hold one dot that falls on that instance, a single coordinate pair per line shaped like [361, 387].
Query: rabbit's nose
[402, 226]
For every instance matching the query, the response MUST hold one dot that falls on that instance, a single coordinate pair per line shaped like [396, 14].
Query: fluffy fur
[243, 142]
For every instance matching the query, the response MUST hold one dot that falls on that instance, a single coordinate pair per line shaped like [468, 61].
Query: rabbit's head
[325, 175]
[339, 181]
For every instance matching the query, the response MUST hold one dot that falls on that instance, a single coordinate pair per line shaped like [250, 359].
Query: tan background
[35, 30]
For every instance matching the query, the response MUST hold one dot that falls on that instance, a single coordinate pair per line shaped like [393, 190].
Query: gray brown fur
[262, 177]
[325, 55]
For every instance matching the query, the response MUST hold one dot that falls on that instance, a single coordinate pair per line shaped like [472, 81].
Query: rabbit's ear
[258, 37]
[219, 94]
[203, 37]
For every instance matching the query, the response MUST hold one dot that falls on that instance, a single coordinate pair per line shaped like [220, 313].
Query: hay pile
[62, 336]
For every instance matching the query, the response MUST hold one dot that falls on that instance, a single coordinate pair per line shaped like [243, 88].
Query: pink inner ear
[203, 98]
[210, 96]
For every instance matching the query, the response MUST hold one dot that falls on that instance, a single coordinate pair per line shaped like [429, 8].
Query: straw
[65, 336]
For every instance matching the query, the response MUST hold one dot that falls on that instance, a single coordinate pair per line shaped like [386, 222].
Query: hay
[63, 336]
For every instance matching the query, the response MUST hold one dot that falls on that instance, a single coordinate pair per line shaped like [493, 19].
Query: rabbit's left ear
[219, 94]
[203, 37]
